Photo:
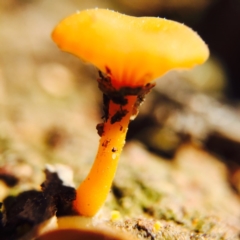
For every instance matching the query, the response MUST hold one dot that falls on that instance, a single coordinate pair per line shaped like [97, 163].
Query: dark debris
[9, 179]
[21, 213]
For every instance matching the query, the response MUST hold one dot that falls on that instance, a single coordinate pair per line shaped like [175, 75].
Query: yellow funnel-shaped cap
[132, 50]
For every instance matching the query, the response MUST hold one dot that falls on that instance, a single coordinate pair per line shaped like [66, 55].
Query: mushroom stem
[93, 191]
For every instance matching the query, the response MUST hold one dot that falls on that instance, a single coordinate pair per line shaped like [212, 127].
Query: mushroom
[130, 53]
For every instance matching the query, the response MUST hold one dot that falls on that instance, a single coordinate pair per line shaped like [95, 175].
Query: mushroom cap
[133, 51]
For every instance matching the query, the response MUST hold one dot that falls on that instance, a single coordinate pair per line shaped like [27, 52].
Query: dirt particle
[114, 149]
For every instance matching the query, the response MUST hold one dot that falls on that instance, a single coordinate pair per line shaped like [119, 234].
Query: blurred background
[50, 103]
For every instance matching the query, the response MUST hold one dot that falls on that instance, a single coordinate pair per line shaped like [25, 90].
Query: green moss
[135, 202]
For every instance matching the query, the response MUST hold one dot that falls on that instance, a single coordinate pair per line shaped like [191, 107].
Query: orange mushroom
[130, 53]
